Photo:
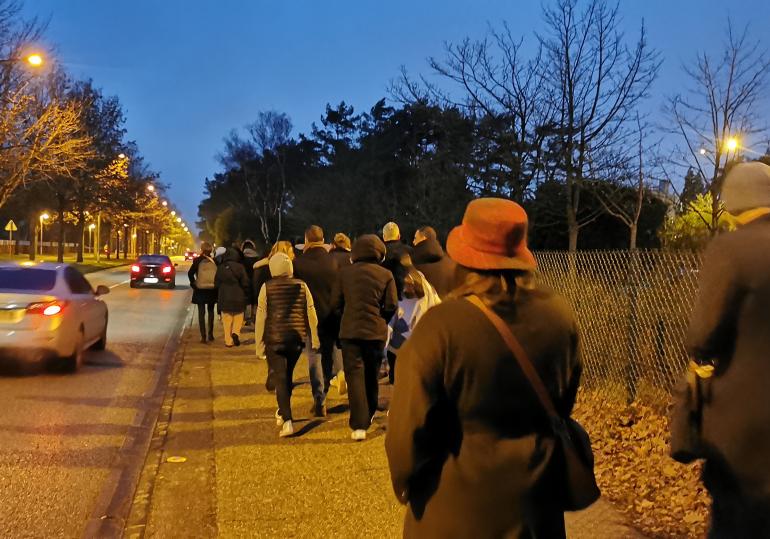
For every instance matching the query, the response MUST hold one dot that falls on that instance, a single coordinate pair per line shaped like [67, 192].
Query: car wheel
[75, 361]
[172, 286]
[101, 344]
[132, 285]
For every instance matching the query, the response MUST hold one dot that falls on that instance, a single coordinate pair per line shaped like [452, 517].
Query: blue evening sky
[187, 71]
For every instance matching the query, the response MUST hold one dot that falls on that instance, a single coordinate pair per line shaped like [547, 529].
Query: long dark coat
[200, 296]
[731, 325]
[318, 268]
[232, 283]
[440, 270]
[466, 441]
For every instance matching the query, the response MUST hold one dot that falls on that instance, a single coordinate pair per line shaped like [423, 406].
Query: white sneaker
[287, 429]
[278, 418]
[358, 435]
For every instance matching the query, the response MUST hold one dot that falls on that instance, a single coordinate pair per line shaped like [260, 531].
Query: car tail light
[166, 269]
[135, 269]
[46, 309]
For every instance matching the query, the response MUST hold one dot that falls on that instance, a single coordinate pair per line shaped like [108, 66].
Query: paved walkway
[240, 480]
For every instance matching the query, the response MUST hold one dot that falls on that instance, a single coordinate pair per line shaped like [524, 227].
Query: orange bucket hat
[492, 236]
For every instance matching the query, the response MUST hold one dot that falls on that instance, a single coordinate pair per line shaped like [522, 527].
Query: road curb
[113, 502]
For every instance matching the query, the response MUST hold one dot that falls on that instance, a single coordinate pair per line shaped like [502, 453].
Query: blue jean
[316, 373]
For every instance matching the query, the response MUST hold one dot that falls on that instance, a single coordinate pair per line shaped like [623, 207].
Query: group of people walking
[486, 365]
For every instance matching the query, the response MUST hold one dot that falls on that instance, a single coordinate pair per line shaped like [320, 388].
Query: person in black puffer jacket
[365, 295]
[286, 322]
[430, 259]
[232, 283]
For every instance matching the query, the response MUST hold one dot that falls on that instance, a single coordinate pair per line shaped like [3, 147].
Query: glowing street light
[151, 188]
[35, 59]
[43, 217]
[732, 144]
[178, 219]
[121, 156]
[703, 151]
[173, 213]
[164, 203]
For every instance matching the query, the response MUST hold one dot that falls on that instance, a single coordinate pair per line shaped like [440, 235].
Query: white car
[50, 311]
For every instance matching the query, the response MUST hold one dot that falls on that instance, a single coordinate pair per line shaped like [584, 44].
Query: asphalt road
[71, 445]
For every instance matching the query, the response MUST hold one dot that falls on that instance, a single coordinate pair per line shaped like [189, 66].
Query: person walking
[341, 249]
[365, 295]
[396, 250]
[250, 257]
[729, 343]
[286, 323]
[202, 275]
[470, 445]
[232, 283]
[431, 260]
[419, 296]
[261, 271]
[318, 268]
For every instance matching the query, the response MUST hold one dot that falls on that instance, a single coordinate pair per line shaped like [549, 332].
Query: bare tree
[720, 109]
[596, 83]
[626, 180]
[498, 84]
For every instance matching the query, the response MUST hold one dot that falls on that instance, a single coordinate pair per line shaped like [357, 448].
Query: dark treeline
[416, 164]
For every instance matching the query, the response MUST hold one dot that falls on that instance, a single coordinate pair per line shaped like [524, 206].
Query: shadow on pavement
[84, 429]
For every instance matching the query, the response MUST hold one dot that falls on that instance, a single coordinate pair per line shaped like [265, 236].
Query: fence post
[632, 333]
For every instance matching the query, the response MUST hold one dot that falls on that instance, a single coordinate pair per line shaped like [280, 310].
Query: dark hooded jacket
[232, 283]
[319, 271]
[468, 441]
[395, 251]
[365, 293]
[250, 257]
[200, 296]
[730, 326]
[438, 268]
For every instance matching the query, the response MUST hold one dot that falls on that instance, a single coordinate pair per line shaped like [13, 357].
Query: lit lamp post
[34, 59]
[43, 217]
[91, 236]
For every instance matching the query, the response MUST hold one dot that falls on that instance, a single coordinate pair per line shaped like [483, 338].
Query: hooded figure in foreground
[470, 446]
[730, 336]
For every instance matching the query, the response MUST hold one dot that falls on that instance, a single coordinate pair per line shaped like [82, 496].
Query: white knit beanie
[280, 265]
[747, 186]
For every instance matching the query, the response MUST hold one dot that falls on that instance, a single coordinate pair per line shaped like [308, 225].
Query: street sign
[11, 226]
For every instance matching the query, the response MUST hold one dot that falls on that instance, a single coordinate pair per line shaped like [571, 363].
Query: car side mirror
[102, 290]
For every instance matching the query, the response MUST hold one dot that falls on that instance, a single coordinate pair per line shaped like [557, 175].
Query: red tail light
[135, 269]
[46, 309]
[166, 269]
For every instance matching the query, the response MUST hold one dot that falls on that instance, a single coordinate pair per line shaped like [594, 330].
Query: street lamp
[121, 156]
[164, 203]
[173, 213]
[731, 144]
[35, 59]
[91, 228]
[703, 151]
[151, 188]
[43, 217]
[178, 219]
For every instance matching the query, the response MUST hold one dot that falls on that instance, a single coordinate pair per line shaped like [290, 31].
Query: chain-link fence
[633, 309]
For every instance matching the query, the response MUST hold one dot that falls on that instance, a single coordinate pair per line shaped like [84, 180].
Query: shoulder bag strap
[521, 357]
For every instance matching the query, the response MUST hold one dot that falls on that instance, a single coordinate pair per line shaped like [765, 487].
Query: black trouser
[202, 308]
[362, 361]
[327, 336]
[281, 362]
[392, 365]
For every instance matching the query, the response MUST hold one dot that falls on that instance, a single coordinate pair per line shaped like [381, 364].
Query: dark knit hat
[746, 187]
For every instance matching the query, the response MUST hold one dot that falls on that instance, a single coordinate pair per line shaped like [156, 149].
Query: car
[153, 270]
[190, 255]
[50, 311]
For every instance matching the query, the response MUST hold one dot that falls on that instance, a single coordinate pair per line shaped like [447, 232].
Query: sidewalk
[240, 480]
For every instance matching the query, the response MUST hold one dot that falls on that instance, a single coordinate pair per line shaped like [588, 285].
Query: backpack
[207, 271]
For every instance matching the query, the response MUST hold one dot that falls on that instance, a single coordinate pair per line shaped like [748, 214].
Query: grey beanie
[280, 265]
[747, 186]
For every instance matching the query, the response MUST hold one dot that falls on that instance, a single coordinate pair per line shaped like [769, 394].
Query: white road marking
[119, 284]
